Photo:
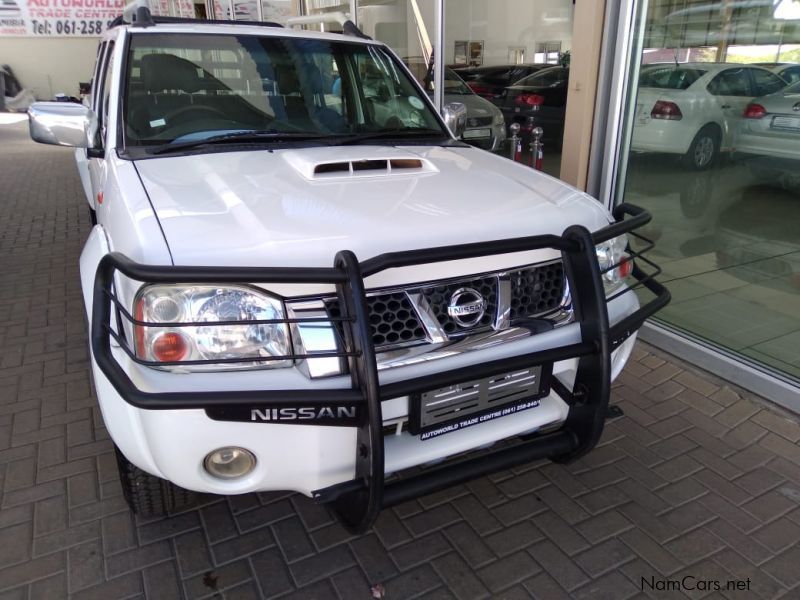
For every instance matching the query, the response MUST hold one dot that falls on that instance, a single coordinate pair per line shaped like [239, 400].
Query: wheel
[704, 149]
[148, 495]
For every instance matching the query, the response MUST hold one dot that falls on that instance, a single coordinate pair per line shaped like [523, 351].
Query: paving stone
[759, 582]
[459, 577]
[272, 573]
[780, 424]
[650, 551]
[374, 559]
[604, 557]
[477, 514]
[778, 535]
[612, 586]
[515, 538]
[351, 583]
[603, 526]
[138, 558]
[694, 546]
[411, 584]
[544, 587]
[504, 573]
[770, 506]
[476, 549]
[85, 565]
[558, 565]
[214, 582]
[559, 532]
[244, 544]
[161, 582]
[321, 565]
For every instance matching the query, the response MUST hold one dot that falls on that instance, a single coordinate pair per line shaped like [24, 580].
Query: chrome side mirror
[455, 117]
[62, 124]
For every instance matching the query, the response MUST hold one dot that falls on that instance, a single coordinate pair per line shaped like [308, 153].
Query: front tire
[704, 149]
[148, 495]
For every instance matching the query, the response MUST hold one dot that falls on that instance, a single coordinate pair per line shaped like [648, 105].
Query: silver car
[486, 126]
[770, 128]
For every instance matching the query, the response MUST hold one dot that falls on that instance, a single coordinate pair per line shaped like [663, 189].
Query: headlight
[609, 254]
[203, 306]
[498, 118]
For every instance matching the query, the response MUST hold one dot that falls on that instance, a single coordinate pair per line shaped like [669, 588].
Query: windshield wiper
[387, 134]
[239, 137]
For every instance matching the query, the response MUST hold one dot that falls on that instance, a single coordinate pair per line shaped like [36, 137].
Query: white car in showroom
[287, 292]
[693, 109]
[768, 139]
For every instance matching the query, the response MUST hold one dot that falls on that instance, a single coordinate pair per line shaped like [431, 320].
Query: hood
[298, 207]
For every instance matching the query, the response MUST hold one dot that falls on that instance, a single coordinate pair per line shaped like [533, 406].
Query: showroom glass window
[491, 46]
[713, 151]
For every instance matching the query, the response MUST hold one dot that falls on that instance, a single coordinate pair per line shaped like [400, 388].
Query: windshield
[550, 77]
[423, 73]
[183, 87]
[669, 77]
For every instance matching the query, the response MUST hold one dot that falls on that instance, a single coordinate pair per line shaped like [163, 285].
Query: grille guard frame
[359, 501]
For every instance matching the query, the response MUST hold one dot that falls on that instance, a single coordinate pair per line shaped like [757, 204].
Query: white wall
[499, 24]
[50, 65]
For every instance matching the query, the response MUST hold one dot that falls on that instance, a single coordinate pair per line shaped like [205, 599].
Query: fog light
[230, 463]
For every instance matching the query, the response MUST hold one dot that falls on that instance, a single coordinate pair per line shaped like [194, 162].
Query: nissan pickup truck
[298, 278]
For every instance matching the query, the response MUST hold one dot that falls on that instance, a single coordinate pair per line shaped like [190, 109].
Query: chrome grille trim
[431, 340]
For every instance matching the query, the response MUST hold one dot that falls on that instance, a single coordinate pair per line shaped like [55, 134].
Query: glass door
[713, 151]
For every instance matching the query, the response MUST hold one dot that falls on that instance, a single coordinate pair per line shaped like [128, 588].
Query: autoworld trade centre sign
[57, 17]
[49, 18]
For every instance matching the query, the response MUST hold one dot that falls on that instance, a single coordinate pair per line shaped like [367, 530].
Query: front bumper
[578, 398]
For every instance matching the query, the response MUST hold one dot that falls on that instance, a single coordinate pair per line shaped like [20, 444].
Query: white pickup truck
[300, 279]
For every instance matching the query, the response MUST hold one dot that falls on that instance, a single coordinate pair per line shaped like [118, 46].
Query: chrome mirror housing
[62, 124]
[455, 117]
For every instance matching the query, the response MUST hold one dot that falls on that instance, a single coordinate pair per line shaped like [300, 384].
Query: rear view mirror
[455, 117]
[62, 124]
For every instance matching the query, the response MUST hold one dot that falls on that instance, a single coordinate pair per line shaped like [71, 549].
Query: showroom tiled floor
[696, 479]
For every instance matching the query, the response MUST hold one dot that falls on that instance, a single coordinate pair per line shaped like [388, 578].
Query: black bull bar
[359, 501]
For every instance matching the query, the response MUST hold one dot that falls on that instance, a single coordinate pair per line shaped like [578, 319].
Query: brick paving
[698, 478]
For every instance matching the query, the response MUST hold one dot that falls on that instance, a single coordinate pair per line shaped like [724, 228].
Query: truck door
[100, 98]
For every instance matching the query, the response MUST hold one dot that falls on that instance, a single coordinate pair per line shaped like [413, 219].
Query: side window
[791, 75]
[766, 82]
[731, 82]
[106, 89]
[98, 70]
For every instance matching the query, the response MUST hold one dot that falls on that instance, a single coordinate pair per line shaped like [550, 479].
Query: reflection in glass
[715, 155]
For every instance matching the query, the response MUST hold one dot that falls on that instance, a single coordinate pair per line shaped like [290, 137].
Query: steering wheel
[178, 114]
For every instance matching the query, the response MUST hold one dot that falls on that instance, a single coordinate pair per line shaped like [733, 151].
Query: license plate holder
[470, 134]
[452, 408]
[786, 123]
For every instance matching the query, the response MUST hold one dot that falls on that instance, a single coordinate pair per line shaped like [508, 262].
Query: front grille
[392, 319]
[439, 297]
[395, 321]
[536, 290]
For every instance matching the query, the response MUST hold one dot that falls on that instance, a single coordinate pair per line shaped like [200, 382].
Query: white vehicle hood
[268, 208]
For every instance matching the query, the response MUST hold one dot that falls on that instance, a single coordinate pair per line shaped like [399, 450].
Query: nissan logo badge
[466, 307]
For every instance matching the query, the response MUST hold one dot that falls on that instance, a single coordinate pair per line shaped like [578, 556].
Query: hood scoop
[318, 164]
